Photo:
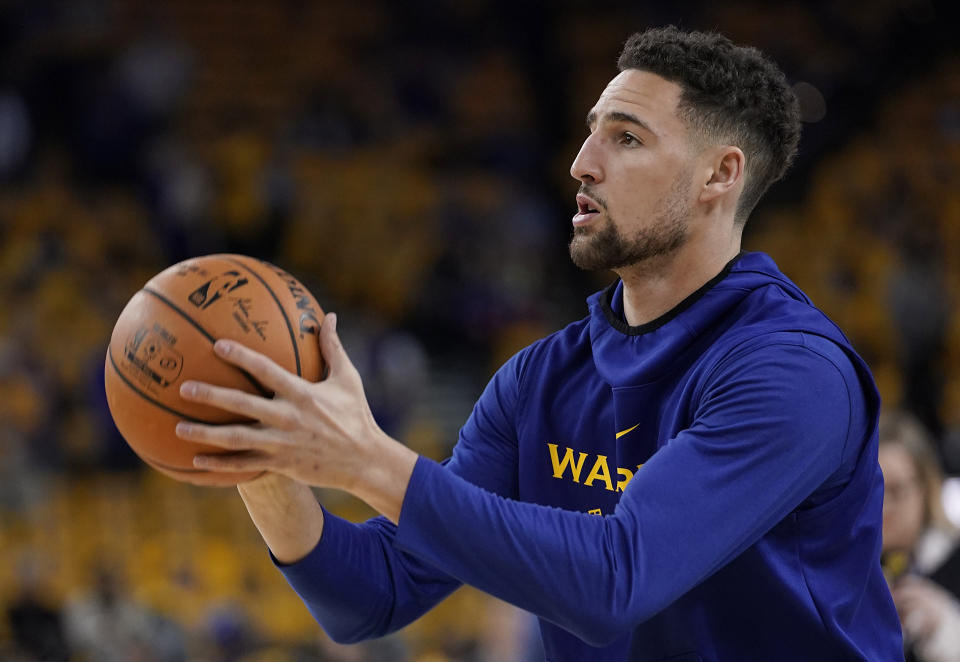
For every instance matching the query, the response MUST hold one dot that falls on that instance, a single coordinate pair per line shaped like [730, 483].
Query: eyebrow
[619, 116]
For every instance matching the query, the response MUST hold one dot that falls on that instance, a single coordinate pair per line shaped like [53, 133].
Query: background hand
[921, 605]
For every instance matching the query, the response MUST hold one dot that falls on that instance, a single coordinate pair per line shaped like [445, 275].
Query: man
[720, 426]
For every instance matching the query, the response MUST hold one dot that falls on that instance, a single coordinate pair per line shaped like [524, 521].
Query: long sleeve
[356, 583]
[771, 427]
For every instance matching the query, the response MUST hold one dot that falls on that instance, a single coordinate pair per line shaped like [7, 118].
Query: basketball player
[688, 473]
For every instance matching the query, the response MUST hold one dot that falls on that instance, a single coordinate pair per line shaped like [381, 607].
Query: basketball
[165, 336]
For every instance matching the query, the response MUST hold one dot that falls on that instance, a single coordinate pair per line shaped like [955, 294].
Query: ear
[724, 173]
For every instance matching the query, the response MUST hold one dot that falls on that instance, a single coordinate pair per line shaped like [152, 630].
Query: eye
[628, 139]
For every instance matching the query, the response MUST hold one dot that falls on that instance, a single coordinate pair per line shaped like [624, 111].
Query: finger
[916, 625]
[230, 437]
[909, 592]
[907, 580]
[903, 600]
[332, 349]
[243, 461]
[904, 604]
[909, 605]
[274, 413]
[261, 367]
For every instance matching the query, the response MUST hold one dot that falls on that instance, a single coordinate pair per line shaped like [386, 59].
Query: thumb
[331, 348]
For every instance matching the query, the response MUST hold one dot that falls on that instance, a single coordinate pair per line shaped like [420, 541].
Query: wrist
[286, 513]
[383, 478]
[268, 486]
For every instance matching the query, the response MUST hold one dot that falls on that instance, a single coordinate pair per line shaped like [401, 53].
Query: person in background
[921, 554]
[35, 619]
[108, 625]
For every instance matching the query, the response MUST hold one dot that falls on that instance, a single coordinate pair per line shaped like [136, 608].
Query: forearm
[354, 582]
[291, 522]
[551, 562]
[599, 576]
[286, 513]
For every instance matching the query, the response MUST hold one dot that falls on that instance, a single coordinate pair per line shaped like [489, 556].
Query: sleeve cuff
[332, 525]
[332, 574]
[337, 583]
[427, 475]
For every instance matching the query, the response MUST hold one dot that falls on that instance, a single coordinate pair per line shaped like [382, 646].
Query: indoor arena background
[408, 161]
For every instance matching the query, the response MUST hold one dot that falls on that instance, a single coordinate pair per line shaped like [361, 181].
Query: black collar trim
[620, 324]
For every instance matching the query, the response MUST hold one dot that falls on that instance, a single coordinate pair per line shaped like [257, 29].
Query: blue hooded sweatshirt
[703, 487]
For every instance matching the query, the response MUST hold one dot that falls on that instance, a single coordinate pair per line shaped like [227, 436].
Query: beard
[609, 249]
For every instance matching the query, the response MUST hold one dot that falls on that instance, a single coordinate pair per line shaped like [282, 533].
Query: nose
[587, 166]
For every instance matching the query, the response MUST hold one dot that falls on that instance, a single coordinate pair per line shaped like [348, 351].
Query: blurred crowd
[408, 162]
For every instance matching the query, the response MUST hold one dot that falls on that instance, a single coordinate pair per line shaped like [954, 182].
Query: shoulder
[801, 379]
[803, 346]
[555, 350]
[789, 362]
[799, 370]
[775, 319]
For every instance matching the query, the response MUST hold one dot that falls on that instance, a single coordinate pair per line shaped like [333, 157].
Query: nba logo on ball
[229, 281]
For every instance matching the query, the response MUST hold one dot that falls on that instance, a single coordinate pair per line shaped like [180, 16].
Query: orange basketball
[165, 336]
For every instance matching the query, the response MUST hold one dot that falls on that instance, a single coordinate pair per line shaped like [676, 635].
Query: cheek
[635, 189]
[894, 536]
[892, 528]
[902, 525]
[628, 213]
[913, 519]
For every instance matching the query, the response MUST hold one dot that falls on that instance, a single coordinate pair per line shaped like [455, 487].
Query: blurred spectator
[35, 623]
[26, 398]
[921, 556]
[178, 192]
[510, 634]
[408, 161]
[386, 649]
[157, 70]
[106, 625]
[228, 634]
[394, 366]
[920, 310]
[15, 132]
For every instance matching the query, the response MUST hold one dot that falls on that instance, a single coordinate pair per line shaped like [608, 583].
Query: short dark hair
[728, 92]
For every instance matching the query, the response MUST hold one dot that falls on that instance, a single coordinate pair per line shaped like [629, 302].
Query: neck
[655, 286]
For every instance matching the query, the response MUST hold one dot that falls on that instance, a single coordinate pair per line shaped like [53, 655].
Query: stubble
[607, 248]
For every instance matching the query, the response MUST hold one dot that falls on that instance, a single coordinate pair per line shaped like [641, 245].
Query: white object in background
[951, 500]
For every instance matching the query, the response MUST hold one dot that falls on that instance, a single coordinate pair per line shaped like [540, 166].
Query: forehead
[641, 93]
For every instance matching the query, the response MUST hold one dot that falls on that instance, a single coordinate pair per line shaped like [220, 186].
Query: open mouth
[587, 210]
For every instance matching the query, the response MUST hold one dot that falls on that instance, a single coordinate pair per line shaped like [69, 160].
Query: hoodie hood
[749, 297]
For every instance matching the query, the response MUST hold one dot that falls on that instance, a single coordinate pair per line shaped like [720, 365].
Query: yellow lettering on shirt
[570, 465]
[602, 471]
[560, 466]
